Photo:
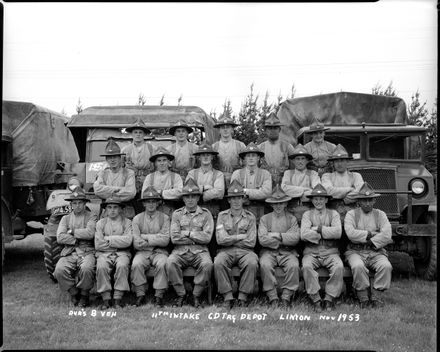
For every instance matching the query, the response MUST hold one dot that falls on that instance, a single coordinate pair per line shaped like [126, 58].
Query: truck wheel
[426, 266]
[52, 252]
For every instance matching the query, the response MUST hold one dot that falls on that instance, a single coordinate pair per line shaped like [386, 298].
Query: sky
[107, 54]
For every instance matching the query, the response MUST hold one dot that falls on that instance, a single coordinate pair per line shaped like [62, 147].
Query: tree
[292, 91]
[161, 103]
[227, 108]
[389, 91]
[417, 112]
[63, 112]
[265, 109]
[141, 100]
[247, 119]
[79, 107]
[179, 100]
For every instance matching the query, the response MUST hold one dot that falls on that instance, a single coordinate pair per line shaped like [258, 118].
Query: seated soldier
[191, 232]
[182, 150]
[151, 235]
[319, 148]
[113, 240]
[76, 232]
[211, 182]
[256, 182]
[115, 180]
[227, 147]
[278, 235]
[299, 182]
[276, 151]
[342, 184]
[236, 234]
[321, 229]
[369, 231]
[167, 183]
[137, 156]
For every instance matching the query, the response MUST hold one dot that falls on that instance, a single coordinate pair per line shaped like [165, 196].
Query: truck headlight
[418, 187]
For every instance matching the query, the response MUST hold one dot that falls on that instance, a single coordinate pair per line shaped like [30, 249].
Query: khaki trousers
[142, 262]
[120, 261]
[74, 265]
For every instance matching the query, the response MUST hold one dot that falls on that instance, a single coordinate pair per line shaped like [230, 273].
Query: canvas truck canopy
[343, 108]
[155, 117]
[40, 141]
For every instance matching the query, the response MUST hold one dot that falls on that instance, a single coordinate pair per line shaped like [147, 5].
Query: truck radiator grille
[382, 179]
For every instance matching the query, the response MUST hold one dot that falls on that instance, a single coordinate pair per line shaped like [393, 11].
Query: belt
[328, 243]
[361, 246]
[286, 248]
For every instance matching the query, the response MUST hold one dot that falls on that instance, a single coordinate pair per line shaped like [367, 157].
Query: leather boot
[179, 301]
[329, 305]
[274, 303]
[197, 303]
[140, 301]
[158, 302]
[317, 306]
[118, 304]
[284, 304]
[83, 302]
[105, 304]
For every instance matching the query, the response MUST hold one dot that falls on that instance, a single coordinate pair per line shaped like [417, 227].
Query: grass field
[37, 316]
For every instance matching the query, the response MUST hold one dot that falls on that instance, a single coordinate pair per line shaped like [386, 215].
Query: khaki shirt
[162, 182]
[320, 152]
[83, 226]
[108, 181]
[276, 155]
[183, 155]
[272, 226]
[331, 229]
[191, 232]
[229, 228]
[113, 235]
[205, 179]
[151, 232]
[357, 233]
[339, 185]
[138, 158]
[228, 154]
[296, 182]
[259, 182]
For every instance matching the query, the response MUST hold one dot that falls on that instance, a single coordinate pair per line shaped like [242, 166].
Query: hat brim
[278, 200]
[147, 198]
[307, 155]
[131, 129]
[212, 152]
[115, 154]
[104, 204]
[83, 199]
[198, 193]
[154, 157]
[374, 195]
[233, 124]
[238, 194]
[275, 125]
[319, 195]
[173, 129]
[340, 157]
[317, 130]
[243, 154]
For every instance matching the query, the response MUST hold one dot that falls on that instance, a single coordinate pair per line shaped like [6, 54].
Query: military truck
[388, 153]
[91, 129]
[38, 151]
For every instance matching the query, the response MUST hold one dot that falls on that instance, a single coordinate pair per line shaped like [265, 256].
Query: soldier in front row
[113, 239]
[236, 234]
[321, 229]
[191, 231]
[151, 235]
[76, 232]
[369, 231]
[278, 235]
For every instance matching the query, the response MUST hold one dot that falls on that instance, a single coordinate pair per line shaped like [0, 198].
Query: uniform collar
[198, 210]
[242, 214]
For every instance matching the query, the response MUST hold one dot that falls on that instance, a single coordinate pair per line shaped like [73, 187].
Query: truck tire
[426, 266]
[52, 252]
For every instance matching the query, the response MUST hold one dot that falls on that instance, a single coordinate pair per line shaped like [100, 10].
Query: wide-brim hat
[317, 126]
[190, 187]
[138, 125]
[300, 150]
[225, 120]
[150, 193]
[339, 153]
[235, 189]
[319, 191]
[161, 151]
[180, 124]
[112, 148]
[78, 194]
[112, 200]
[205, 149]
[251, 148]
[366, 192]
[278, 196]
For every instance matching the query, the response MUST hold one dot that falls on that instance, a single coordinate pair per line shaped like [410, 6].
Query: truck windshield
[395, 146]
[352, 143]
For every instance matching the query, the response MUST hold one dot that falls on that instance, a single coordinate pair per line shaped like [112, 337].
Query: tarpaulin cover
[40, 140]
[341, 108]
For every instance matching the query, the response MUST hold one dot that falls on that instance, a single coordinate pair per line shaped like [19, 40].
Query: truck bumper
[429, 230]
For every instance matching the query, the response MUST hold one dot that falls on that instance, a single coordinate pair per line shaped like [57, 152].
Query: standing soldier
[76, 232]
[236, 234]
[211, 182]
[228, 148]
[115, 180]
[321, 229]
[256, 182]
[191, 232]
[299, 182]
[151, 235]
[137, 155]
[369, 231]
[182, 150]
[342, 184]
[278, 235]
[113, 240]
[319, 148]
[276, 151]
[167, 183]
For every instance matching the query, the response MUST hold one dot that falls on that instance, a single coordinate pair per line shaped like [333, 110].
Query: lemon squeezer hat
[138, 125]
[112, 148]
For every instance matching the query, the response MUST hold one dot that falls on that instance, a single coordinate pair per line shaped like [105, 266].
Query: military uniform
[278, 235]
[191, 233]
[183, 154]
[76, 232]
[322, 250]
[366, 251]
[113, 239]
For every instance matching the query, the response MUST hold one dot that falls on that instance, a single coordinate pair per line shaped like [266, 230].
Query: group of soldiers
[178, 194]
